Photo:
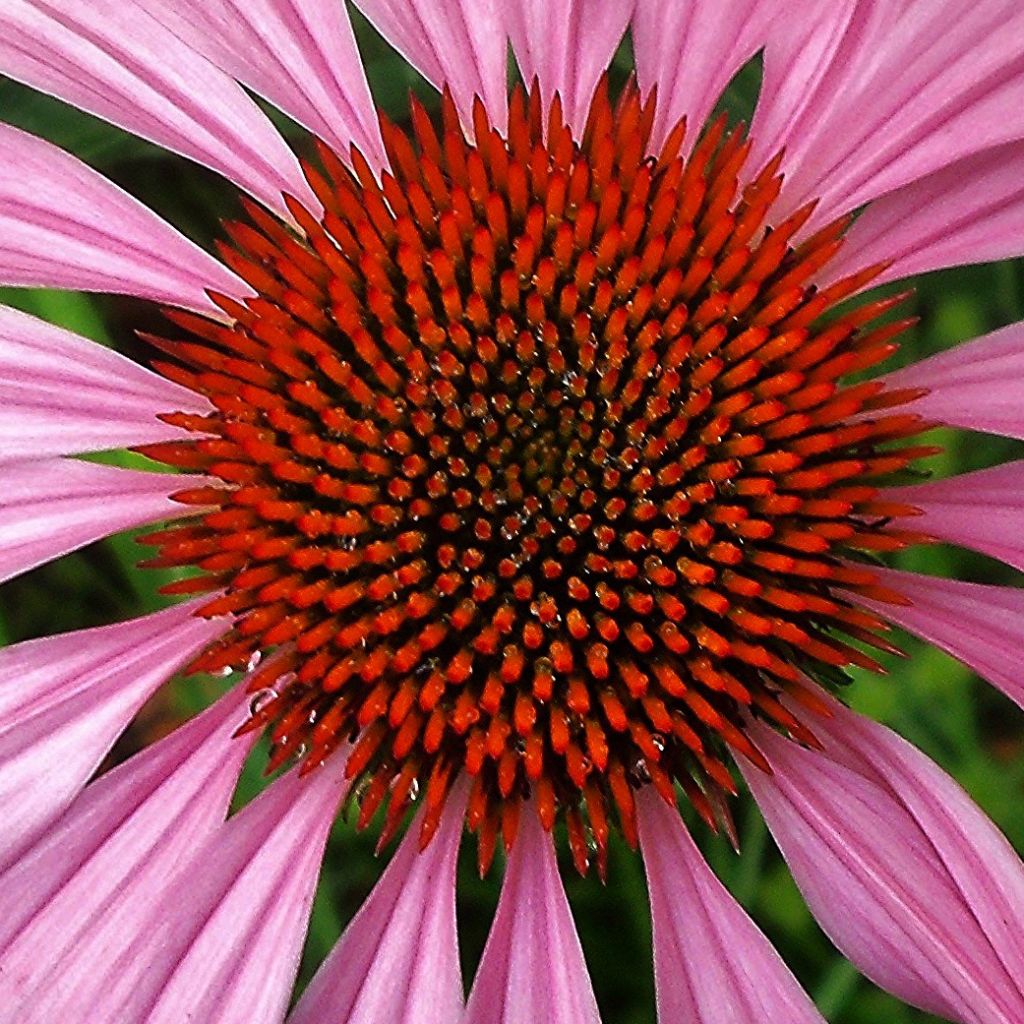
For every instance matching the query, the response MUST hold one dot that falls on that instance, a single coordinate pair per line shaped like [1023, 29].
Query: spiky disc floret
[531, 462]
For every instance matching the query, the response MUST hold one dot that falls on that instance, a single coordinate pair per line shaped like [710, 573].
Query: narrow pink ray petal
[800, 61]
[405, 930]
[689, 52]
[126, 834]
[62, 225]
[113, 59]
[458, 43]
[979, 624]
[983, 510]
[975, 385]
[65, 699]
[54, 506]
[969, 212]
[567, 45]
[241, 943]
[218, 940]
[903, 99]
[533, 967]
[906, 875]
[61, 394]
[712, 964]
[299, 54]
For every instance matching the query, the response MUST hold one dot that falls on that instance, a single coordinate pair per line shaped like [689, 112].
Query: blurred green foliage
[966, 726]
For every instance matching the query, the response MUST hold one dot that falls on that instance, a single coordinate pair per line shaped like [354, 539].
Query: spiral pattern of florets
[529, 462]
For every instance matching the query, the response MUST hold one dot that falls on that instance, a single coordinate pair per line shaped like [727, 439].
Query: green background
[966, 726]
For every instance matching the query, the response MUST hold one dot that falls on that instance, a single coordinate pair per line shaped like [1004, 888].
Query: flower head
[535, 472]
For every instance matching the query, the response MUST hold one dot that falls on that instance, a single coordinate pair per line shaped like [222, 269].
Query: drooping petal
[125, 834]
[975, 385]
[54, 506]
[983, 510]
[405, 929]
[904, 97]
[299, 54]
[461, 44]
[567, 45]
[61, 394]
[979, 624]
[219, 939]
[533, 967]
[712, 964]
[62, 225]
[65, 699]
[969, 212]
[801, 49]
[113, 59]
[689, 51]
[906, 875]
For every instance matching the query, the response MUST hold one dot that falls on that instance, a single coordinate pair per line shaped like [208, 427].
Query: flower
[518, 461]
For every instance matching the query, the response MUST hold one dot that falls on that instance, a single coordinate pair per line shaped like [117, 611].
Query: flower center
[529, 462]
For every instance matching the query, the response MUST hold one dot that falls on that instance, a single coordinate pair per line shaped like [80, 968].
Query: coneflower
[525, 481]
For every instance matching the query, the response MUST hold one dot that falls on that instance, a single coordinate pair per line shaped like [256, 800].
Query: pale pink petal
[113, 59]
[62, 225]
[802, 43]
[969, 212]
[689, 51]
[977, 384]
[299, 54]
[982, 510]
[712, 964]
[461, 44]
[906, 875]
[405, 930]
[61, 394]
[533, 967]
[235, 954]
[54, 506]
[567, 45]
[65, 699]
[904, 97]
[126, 833]
[220, 938]
[979, 624]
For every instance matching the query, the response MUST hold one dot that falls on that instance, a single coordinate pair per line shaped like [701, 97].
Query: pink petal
[406, 930]
[126, 833]
[800, 61]
[905, 97]
[906, 875]
[983, 510]
[533, 967]
[235, 954]
[458, 43]
[979, 624]
[969, 212]
[61, 394]
[218, 940]
[976, 384]
[111, 58]
[65, 699]
[567, 45]
[712, 964]
[689, 52]
[299, 54]
[54, 506]
[62, 225]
